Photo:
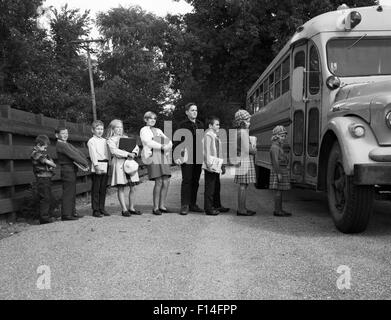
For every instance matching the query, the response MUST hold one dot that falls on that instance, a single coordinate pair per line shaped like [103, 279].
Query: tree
[216, 52]
[17, 32]
[135, 77]
[47, 73]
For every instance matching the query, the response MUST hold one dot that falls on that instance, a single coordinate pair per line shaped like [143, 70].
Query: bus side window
[277, 86]
[314, 75]
[271, 87]
[299, 60]
[256, 101]
[298, 133]
[266, 92]
[285, 75]
[260, 98]
[313, 132]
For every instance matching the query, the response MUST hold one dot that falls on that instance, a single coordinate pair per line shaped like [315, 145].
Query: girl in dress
[119, 178]
[245, 170]
[156, 148]
[279, 175]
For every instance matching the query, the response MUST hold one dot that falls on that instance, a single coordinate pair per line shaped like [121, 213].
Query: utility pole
[87, 48]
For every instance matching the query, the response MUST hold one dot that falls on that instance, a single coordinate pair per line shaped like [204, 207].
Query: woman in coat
[156, 148]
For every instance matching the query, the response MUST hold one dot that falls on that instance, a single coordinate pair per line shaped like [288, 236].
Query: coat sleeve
[136, 150]
[161, 133]
[72, 152]
[92, 152]
[147, 139]
[274, 159]
[115, 151]
[207, 148]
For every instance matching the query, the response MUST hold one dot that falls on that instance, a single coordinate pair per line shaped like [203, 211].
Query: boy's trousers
[98, 191]
[68, 177]
[212, 191]
[44, 189]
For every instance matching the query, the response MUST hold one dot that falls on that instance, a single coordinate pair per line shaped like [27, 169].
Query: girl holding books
[119, 178]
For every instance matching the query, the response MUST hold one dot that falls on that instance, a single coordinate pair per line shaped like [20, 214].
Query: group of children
[105, 153]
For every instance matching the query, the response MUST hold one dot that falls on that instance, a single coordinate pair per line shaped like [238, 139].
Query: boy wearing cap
[99, 155]
[279, 175]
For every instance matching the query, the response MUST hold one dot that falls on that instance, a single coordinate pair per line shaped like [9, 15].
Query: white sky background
[158, 7]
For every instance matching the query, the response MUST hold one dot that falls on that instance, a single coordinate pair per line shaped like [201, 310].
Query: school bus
[330, 86]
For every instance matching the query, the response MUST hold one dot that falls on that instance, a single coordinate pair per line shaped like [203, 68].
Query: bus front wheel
[350, 205]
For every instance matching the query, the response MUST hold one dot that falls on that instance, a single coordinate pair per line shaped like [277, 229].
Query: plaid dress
[245, 171]
[282, 167]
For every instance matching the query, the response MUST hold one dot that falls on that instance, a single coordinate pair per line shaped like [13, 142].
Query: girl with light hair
[119, 178]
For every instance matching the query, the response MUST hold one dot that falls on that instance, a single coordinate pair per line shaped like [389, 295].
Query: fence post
[5, 111]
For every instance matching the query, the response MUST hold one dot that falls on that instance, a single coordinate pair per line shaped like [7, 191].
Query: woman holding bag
[155, 154]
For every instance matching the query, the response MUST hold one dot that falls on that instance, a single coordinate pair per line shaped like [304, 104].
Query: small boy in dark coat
[43, 167]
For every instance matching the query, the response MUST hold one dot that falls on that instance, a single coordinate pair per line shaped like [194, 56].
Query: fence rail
[18, 130]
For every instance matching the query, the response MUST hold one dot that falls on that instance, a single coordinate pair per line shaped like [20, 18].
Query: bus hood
[369, 100]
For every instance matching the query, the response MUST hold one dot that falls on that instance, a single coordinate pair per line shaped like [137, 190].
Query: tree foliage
[135, 77]
[211, 56]
[43, 73]
[219, 49]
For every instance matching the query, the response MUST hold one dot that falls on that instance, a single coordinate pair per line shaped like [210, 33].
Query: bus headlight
[333, 82]
[388, 119]
[357, 130]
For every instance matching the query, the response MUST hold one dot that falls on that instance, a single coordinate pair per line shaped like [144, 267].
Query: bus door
[299, 119]
[312, 100]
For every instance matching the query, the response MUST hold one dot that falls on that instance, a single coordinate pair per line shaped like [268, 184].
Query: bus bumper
[371, 174]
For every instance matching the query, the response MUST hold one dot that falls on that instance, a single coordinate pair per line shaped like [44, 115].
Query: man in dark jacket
[191, 163]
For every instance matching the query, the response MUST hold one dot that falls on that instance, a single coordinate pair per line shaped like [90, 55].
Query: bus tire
[262, 177]
[350, 205]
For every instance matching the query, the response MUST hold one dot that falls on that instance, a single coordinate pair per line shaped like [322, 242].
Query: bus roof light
[352, 20]
[343, 6]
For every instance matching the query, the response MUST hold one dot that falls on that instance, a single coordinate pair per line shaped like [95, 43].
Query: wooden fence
[18, 130]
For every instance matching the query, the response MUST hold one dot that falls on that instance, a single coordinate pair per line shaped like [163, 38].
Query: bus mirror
[297, 84]
[352, 19]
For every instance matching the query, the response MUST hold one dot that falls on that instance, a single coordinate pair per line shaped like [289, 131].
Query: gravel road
[198, 256]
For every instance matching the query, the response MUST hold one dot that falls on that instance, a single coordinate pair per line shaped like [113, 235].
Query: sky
[158, 7]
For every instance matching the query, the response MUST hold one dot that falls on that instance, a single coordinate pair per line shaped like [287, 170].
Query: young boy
[43, 167]
[99, 154]
[213, 158]
[67, 154]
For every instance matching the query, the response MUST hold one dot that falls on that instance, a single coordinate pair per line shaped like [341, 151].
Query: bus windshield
[353, 57]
